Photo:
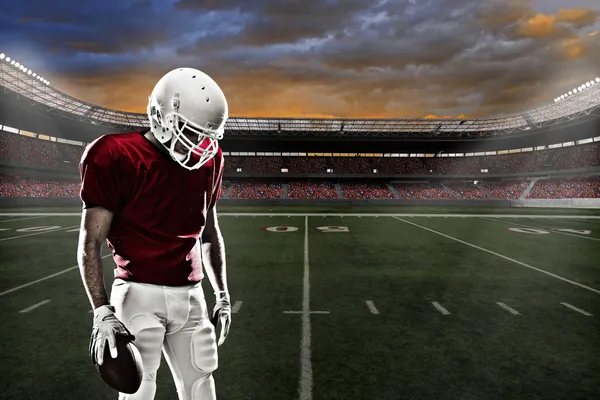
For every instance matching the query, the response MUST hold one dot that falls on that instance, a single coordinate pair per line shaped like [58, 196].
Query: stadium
[368, 258]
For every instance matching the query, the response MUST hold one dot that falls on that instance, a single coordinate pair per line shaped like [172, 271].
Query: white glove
[222, 312]
[106, 326]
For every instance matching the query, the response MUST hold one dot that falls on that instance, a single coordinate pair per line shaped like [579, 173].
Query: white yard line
[501, 256]
[305, 312]
[306, 372]
[583, 220]
[579, 310]
[509, 309]
[40, 214]
[38, 233]
[376, 215]
[33, 307]
[555, 230]
[21, 219]
[372, 307]
[43, 279]
[440, 308]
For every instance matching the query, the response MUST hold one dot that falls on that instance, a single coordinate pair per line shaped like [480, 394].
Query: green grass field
[433, 328]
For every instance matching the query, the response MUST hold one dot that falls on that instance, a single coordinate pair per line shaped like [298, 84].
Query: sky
[315, 58]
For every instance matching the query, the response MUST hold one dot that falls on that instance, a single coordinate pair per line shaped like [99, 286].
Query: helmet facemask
[174, 128]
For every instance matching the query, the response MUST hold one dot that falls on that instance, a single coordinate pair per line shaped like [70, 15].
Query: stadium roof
[580, 103]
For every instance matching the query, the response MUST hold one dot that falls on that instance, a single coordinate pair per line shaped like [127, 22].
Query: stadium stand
[421, 191]
[403, 165]
[262, 165]
[505, 189]
[311, 190]
[307, 165]
[232, 163]
[252, 190]
[18, 186]
[345, 165]
[19, 148]
[37, 152]
[466, 190]
[33, 153]
[566, 188]
[12, 185]
[355, 191]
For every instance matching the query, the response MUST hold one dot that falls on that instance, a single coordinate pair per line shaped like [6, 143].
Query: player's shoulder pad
[102, 151]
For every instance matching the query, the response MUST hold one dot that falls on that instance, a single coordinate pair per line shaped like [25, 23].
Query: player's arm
[213, 249]
[95, 224]
[102, 192]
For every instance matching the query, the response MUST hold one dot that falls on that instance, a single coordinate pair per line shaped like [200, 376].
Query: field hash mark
[33, 307]
[440, 308]
[509, 309]
[372, 307]
[579, 310]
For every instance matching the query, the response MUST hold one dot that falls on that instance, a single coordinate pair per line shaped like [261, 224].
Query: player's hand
[222, 312]
[106, 326]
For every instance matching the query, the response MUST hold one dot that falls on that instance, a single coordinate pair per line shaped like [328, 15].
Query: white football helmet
[187, 101]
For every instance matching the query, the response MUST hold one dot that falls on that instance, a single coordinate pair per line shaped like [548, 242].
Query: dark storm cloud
[86, 27]
[349, 58]
[272, 22]
[398, 56]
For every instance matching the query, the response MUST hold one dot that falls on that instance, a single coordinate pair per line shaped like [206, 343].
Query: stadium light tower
[23, 69]
[581, 88]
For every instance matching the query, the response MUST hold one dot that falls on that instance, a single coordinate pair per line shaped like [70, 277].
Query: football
[123, 373]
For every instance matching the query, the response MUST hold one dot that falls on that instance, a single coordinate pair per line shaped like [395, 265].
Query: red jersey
[159, 207]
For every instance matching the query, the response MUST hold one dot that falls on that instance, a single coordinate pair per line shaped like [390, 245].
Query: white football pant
[174, 320]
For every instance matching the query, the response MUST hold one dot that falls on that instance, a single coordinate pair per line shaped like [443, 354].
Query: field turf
[433, 303]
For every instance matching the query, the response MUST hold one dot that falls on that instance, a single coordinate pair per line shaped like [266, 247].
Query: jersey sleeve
[101, 182]
[218, 181]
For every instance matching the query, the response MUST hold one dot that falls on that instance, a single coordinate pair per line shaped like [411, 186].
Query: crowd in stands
[16, 186]
[587, 155]
[566, 188]
[553, 188]
[224, 187]
[252, 190]
[466, 190]
[263, 165]
[306, 165]
[401, 165]
[362, 191]
[312, 190]
[345, 165]
[19, 148]
[421, 191]
[232, 163]
[505, 189]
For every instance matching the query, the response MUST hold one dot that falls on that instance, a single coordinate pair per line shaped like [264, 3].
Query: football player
[151, 195]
